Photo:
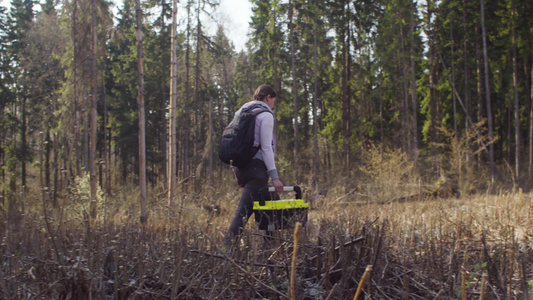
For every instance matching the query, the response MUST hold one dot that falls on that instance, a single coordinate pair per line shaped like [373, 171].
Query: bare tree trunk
[515, 85]
[275, 57]
[77, 141]
[172, 110]
[487, 93]
[94, 100]
[2, 152]
[531, 123]
[454, 100]
[413, 82]
[140, 100]
[509, 133]
[41, 158]
[24, 142]
[348, 74]
[467, 97]
[211, 143]
[106, 147]
[360, 102]
[294, 91]
[47, 153]
[316, 161]
[432, 101]
[197, 121]
[306, 118]
[381, 121]
[405, 99]
[55, 166]
[13, 167]
[163, 62]
[345, 106]
[480, 91]
[109, 162]
[186, 115]
[86, 119]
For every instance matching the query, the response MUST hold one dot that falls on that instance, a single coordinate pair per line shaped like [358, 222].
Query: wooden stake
[362, 282]
[463, 284]
[294, 255]
[405, 291]
[332, 291]
[483, 285]
[438, 295]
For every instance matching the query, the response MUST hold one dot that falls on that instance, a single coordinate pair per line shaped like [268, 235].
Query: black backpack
[237, 144]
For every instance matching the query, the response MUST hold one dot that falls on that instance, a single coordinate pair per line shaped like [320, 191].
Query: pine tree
[45, 42]
[20, 20]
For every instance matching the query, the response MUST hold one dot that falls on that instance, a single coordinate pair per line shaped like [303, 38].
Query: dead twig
[332, 291]
[354, 241]
[233, 262]
[438, 295]
[219, 256]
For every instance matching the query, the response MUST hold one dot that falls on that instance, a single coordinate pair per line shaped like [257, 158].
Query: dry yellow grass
[420, 244]
[417, 248]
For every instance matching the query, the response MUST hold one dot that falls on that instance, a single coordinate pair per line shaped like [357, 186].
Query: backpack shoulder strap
[252, 109]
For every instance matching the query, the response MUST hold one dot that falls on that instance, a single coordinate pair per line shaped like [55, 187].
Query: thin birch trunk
[531, 123]
[140, 103]
[432, 101]
[86, 118]
[211, 144]
[381, 120]
[315, 102]
[163, 62]
[47, 153]
[186, 117]
[2, 152]
[55, 167]
[24, 141]
[106, 145]
[480, 91]
[487, 93]
[197, 122]
[94, 101]
[345, 107]
[77, 141]
[172, 110]
[454, 100]
[516, 104]
[405, 98]
[413, 82]
[294, 91]
[467, 97]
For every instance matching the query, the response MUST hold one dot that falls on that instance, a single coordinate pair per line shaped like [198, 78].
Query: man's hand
[278, 185]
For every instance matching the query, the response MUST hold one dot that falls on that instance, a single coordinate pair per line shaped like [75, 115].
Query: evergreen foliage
[394, 73]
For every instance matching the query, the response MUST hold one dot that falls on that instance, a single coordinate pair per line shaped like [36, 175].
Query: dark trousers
[252, 177]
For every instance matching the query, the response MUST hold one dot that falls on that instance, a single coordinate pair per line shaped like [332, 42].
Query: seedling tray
[273, 215]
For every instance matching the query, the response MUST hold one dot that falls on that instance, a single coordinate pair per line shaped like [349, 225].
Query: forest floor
[470, 247]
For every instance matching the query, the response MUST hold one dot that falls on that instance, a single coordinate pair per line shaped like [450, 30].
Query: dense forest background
[142, 96]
